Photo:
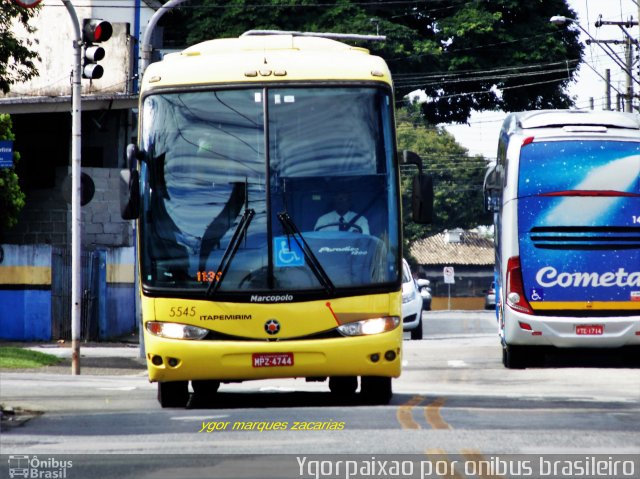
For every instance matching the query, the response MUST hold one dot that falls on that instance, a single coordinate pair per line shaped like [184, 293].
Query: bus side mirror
[422, 191]
[422, 199]
[130, 186]
[491, 189]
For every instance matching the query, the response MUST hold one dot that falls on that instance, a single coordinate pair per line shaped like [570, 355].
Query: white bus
[565, 193]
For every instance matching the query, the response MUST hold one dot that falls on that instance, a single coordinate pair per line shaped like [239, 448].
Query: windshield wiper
[291, 229]
[230, 252]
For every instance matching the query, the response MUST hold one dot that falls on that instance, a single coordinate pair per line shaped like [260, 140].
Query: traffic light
[94, 30]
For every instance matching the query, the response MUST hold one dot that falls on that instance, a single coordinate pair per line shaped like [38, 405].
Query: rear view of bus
[565, 191]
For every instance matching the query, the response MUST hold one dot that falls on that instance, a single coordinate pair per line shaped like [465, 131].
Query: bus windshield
[550, 167]
[241, 189]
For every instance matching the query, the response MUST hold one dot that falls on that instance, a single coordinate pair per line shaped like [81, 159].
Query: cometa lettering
[549, 277]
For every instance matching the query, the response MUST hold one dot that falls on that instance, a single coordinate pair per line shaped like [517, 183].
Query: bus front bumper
[181, 360]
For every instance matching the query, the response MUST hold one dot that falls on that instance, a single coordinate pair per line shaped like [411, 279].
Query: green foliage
[11, 196]
[16, 59]
[457, 177]
[465, 55]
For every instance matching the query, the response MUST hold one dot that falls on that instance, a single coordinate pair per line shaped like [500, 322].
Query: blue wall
[25, 293]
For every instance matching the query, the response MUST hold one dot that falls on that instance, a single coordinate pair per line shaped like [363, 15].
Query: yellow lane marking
[432, 414]
[405, 413]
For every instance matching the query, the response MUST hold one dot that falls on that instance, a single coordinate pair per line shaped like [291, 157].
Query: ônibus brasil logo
[34, 467]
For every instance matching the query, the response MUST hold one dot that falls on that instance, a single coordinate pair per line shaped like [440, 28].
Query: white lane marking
[120, 388]
[198, 418]
[456, 363]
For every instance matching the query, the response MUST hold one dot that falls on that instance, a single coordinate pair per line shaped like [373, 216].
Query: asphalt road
[453, 400]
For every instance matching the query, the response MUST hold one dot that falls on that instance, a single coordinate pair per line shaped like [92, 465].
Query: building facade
[471, 257]
[40, 111]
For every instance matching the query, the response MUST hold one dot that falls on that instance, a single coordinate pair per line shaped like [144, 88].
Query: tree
[16, 65]
[16, 59]
[457, 177]
[464, 54]
[11, 196]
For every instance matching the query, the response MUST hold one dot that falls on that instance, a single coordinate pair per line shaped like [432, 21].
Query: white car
[411, 303]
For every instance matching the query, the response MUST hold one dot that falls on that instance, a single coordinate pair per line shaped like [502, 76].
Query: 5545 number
[182, 311]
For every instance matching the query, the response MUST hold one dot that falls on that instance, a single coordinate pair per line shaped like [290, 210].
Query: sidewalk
[96, 358]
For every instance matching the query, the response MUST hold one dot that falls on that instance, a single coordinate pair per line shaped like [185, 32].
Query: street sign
[6, 154]
[28, 3]
[449, 277]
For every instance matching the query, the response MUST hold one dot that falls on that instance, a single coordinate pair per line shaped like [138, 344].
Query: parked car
[424, 286]
[490, 297]
[411, 303]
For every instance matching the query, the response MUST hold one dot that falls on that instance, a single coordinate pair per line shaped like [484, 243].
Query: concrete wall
[26, 295]
[440, 303]
[53, 41]
[55, 36]
[46, 217]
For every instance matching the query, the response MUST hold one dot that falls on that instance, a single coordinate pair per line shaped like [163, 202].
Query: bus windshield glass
[575, 166]
[269, 189]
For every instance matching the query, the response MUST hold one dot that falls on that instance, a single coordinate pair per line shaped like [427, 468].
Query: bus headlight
[176, 330]
[366, 327]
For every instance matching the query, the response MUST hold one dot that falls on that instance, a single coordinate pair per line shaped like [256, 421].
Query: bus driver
[342, 218]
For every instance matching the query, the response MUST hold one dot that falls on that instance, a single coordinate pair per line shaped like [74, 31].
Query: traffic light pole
[145, 47]
[76, 220]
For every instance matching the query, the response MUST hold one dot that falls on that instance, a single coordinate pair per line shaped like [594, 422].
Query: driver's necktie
[342, 225]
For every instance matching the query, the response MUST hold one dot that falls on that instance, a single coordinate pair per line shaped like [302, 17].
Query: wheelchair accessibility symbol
[536, 294]
[287, 252]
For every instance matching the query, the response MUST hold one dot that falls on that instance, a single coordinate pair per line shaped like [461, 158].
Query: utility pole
[76, 219]
[607, 75]
[629, 83]
[627, 64]
[145, 46]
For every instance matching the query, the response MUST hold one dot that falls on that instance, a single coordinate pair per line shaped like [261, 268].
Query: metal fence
[61, 294]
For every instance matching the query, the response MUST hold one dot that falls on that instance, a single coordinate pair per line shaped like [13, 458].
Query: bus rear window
[549, 167]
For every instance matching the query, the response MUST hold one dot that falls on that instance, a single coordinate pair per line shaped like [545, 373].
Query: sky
[481, 135]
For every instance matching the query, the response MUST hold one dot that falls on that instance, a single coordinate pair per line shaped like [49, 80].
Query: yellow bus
[265, 184]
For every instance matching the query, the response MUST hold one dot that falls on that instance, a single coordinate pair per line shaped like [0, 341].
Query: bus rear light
[515, 288]
[525, 326]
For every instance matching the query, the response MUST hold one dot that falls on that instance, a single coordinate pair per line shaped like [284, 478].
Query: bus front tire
[343, 385]
[376, 389]
[205, 388]
[173, 394]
